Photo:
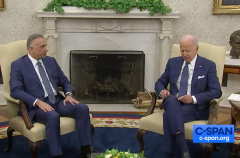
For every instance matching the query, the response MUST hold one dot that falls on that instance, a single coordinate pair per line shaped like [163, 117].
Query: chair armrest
[153, 104]
[217, 100]
[23, 110]
[213, 107]
[25, 116]
[8, 98]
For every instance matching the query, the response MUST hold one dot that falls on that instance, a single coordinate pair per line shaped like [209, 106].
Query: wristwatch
[68, 94]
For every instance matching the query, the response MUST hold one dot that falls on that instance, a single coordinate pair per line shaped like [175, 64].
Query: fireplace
[82, 29]
[106, 76]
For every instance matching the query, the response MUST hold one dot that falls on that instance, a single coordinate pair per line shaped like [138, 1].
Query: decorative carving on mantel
[48, 35]
[51, 35]
[166, 30]
[108, 25]
[50, 23]
[162, 36]
[50, 27]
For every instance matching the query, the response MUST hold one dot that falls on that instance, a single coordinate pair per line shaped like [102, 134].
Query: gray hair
[31, 38]
[191, 37]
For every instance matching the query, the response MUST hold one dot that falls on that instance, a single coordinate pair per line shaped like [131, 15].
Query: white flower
[126, 153]
[108, 156]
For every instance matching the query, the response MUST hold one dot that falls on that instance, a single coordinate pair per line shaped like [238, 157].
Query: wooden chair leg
[140, 134]
[231, 153]
[10, 131]
[236, 151]
[34, 147]
[208, 147]
[207, 154]
[92, 130]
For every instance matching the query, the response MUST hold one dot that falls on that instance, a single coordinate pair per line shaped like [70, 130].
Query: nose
[46, 48]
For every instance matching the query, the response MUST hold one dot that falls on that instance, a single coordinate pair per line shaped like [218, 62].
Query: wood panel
[229, 69]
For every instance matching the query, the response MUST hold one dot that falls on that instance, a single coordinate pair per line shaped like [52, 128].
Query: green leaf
[120, 6]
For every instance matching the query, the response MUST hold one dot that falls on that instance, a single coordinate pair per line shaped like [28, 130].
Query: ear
[30, 49]
[197, 47]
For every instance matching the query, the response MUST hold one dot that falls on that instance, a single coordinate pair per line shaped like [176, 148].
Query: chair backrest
[214, 53]
[9, 53]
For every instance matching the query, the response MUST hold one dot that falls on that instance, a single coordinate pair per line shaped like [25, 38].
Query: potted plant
[119, 6]
[114, 153]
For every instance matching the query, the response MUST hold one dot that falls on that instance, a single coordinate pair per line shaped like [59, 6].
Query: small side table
[235, 117]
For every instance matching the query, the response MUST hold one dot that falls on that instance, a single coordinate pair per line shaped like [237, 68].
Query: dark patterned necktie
[184, 81]
[46, 83]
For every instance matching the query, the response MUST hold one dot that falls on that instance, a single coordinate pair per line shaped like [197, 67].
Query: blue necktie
[46, 83]
[184, 81]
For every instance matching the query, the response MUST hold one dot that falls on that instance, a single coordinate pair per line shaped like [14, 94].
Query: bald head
[189, 38]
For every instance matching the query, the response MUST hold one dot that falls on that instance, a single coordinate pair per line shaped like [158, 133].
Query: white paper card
[234, 97]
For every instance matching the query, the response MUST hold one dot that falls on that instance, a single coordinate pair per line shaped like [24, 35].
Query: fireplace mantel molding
[94, 21]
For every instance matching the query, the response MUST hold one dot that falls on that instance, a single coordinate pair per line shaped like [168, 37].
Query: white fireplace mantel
[79, 28]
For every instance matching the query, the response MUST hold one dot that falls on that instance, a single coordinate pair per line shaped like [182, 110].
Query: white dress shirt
[191, 66]
[34, 62]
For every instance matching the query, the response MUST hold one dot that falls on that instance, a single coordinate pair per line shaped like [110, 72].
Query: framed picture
[226, 7]
[2, 5]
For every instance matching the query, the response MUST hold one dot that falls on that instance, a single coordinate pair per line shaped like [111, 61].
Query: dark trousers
[52, 122]
[174, 117]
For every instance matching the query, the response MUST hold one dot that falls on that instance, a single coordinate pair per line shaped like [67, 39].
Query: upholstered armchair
[34, 132]
[153, 121]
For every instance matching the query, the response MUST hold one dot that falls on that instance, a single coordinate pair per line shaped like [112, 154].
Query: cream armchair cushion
[153, 121]
[9, 53]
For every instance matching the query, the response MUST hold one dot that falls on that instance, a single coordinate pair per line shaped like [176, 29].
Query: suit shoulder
[207, 61]
[49, 58]
[19, 60]
[175, 59]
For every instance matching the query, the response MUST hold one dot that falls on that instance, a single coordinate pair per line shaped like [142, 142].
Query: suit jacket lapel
[49, 72]
[197, 71]
[177, 68]
[31, 69]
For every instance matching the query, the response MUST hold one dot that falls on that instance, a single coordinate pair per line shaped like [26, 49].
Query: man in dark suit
[193, 84]
[35, 79]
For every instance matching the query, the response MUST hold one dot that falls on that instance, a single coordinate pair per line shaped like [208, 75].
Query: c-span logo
[213, 133]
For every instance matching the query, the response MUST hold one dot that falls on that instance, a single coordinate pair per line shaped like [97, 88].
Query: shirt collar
[34, 61]
[193, 62]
